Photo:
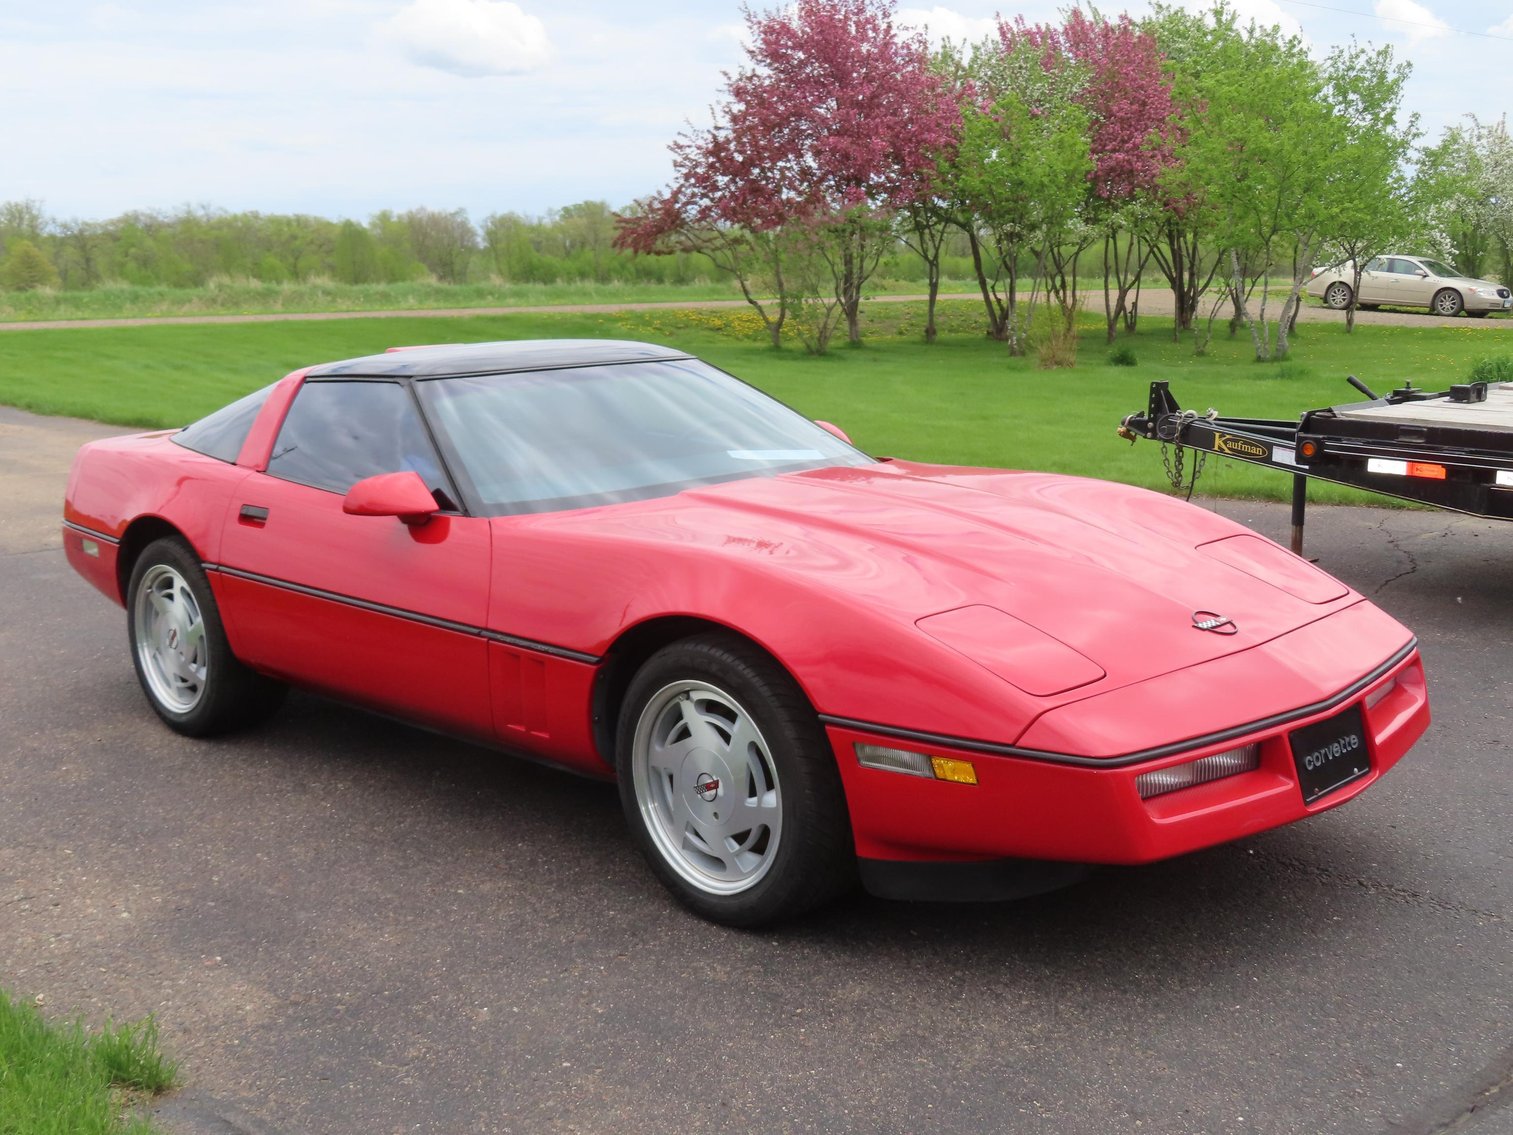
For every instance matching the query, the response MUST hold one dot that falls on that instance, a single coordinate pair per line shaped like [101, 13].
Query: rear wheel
[1446, 302]
[729, 785]
[1337, 295]
[179, 647]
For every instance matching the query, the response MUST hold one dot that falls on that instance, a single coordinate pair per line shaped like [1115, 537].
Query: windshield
[1439, 269]
[543, 441]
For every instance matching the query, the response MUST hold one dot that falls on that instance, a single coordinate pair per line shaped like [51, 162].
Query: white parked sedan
[1410, 281]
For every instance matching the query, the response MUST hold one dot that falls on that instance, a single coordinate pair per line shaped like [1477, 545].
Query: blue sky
[344, 107]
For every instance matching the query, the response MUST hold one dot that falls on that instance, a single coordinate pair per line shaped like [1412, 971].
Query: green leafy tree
[27, 268]
[1259, 145]
[82, 250]
[1021, 169]
[21, 220]
[1368, 209]
[355, 255]
[587, 233]
[443, 241]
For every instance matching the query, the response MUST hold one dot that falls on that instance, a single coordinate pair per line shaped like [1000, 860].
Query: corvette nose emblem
[707, 787]
[1216, 623]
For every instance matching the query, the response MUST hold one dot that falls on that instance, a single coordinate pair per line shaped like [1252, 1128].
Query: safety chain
[1169, 428]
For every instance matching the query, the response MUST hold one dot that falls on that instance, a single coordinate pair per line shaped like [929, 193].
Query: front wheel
[1337, 295]
[180, 651]
[729, 785]
[1447, 302]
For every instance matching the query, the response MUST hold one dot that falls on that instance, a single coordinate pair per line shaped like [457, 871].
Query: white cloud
[1504, 28]
[470, 37]
[942, 24]
[1415, 21]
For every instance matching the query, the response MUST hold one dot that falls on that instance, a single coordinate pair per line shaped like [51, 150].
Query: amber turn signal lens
[957, 772]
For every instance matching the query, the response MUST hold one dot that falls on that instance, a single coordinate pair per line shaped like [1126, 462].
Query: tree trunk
[998, 326]
[1127, 270]
[851, 284]
[934, 284]
[1241, 313]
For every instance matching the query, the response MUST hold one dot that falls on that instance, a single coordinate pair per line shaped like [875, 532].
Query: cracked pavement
[345, 925]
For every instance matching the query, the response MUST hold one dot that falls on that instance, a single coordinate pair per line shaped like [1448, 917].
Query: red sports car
[804, 665]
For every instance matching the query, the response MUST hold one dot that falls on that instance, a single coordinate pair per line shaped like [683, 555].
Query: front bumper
[1025, 808]
[1487, 303]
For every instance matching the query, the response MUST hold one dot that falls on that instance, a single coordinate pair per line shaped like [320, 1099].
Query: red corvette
[804, 665]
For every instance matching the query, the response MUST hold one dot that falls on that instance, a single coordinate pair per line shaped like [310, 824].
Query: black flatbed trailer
[1451, 449]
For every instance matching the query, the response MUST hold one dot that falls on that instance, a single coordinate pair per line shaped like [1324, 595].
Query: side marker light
[916, 764]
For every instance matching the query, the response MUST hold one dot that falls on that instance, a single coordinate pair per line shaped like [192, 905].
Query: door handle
[254, 514]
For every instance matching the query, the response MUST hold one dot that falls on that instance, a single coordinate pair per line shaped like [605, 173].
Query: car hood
[1050, 582]
[1471, 282]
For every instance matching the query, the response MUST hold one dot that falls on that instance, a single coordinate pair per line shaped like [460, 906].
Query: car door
[1373, 281]
[367, 608]
[1406, 283]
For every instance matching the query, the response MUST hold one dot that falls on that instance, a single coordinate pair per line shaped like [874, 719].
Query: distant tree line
[191, 247]
[1188, 148]
[1220, 155]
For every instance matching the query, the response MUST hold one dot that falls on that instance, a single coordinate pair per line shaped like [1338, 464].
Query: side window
[337, 433]
[1404, 267]
[1379, 264]
[221, 434]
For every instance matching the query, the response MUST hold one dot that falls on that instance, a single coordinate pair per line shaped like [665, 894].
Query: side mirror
[392, 494]
[831, 427]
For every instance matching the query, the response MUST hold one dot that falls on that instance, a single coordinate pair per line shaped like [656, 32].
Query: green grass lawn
[961, 400]
[60, 1080]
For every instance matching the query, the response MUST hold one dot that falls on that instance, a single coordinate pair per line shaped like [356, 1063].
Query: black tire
[1337, 295]
[744, 819]
[179, 648]
[1446, 302]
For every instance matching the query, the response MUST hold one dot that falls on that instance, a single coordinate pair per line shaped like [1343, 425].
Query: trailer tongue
[1452, 448]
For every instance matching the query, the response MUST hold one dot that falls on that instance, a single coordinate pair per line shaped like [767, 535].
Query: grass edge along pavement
[962, 400]
[59, 1079]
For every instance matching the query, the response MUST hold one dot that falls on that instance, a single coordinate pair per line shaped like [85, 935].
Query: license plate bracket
[1330, 754]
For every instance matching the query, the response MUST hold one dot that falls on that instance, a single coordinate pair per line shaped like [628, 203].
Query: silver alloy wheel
[1447, 302]
[170, 639]
[1337, 295]
[707, 787]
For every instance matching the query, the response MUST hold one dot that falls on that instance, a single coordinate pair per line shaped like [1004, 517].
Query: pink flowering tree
[828, 132]
[1110, 72]
[1128, 99]
[1062, 145]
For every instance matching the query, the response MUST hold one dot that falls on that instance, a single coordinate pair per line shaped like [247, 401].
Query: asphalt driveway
[349, 926]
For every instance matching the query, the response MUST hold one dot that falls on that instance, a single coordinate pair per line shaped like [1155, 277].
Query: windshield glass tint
[1439, 269]
[548, 440]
